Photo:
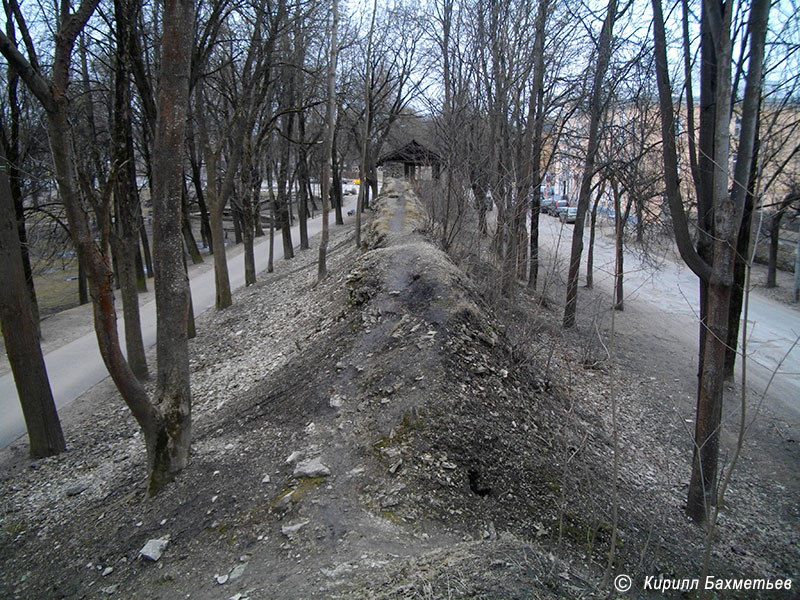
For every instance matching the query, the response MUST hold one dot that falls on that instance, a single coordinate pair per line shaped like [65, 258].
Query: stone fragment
[108, 571]
[236, 572]
[76, 489]
[311, 468]
[293, 457]
[292, 528]
[153, 549]
[221, 579]
[390, 501]
[110, 589]
[266, 479]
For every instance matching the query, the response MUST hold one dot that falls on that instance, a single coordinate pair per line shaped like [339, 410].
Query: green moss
[393, 516]
[594, 537]
[553, 485]
[299, 489]
[222, 529]
[14, 528]
[408, 424]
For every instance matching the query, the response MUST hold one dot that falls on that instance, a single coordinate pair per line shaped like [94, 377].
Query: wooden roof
[412, 153]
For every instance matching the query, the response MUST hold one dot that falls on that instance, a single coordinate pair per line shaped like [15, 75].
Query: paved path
[660, 303]
[77, 366]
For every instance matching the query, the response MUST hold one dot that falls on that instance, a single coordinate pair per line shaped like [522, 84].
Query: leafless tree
[720, 208]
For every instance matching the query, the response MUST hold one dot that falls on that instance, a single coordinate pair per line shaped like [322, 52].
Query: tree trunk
[590, 252]
[172, 393]
[740, 268]
[216, 206]
[271, 259]
[303, 180]
[83, 282]
[283, 192]
[224, 297]
[13, 157]
[603, 57]
[21, 335]
[619, 251]
[125, 237]
[774, 240]
[362, 163]
[148, 259]
[322, 265]
[197, 181]
[141, 276]
[248, 219]
[236, 215]
[775, 234]
[336, 189]
[186, 228]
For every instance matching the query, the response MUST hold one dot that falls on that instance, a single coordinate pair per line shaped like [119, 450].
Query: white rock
[291, 529]
[237, 572]
[153, 549]
[311, 468]
[221, 579]
[266, 479]
[336, 401]
[293, 457]
[108, 571]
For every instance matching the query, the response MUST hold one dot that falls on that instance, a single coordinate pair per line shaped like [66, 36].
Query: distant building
[412, 161]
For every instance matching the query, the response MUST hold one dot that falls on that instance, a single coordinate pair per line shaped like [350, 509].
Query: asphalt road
[661, 299]
[77, 366]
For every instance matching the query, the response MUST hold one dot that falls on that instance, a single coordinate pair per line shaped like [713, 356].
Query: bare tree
[721, 209]
[595, 114]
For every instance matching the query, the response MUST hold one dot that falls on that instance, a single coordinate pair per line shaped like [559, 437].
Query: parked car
[569, 215]
[562, 205]
[546, 205]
